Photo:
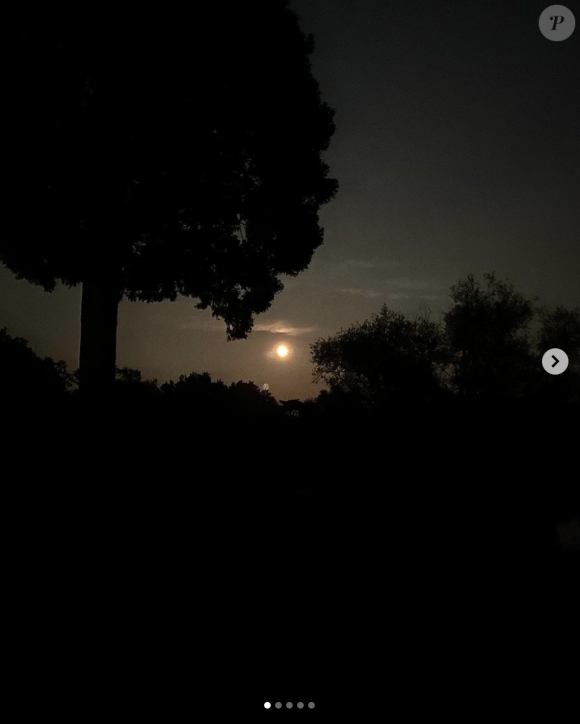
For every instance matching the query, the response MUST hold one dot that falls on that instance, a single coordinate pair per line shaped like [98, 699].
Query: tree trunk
[98, 339]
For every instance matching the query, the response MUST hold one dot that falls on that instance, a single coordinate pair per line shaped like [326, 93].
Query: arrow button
[555, 361]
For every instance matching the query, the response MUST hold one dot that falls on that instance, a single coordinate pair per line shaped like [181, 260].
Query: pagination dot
[289, 705]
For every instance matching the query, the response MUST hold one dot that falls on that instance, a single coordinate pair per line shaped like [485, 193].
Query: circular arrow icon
[555, 361]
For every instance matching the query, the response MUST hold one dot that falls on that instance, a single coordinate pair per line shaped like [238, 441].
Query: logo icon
[557, 22]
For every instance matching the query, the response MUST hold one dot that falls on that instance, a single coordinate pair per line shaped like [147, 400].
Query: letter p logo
[557, 22]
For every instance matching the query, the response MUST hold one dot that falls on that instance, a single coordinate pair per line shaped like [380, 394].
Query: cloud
[367, 293]
[277, 327]
[402, 288]
[371, 294]
[411, 284]
[282, 327]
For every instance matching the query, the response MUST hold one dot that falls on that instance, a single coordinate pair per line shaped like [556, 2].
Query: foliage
[560, 328]
[388, 357]
[130, 386]
[487, 331]
[204, 397]
[25, 375]
[484, 349]
[149, 161]
[197, 390]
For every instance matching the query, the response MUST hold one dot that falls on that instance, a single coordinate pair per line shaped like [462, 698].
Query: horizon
[447, 165]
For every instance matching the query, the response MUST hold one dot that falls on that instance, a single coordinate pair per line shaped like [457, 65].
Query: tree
[26, 376]
[153, 157]
[560, 328]
[130, 386]
[200, 397]
[486, 329]
[292, 408]
[246, 398]
[198, 393]
[388, 357]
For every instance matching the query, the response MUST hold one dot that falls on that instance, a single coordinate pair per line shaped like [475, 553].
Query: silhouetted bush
[26, 377]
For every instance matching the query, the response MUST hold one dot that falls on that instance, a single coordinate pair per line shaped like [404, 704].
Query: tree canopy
[163, 157]
[561, 329]
[24, 376]
[486, 327]
[484, 347]
[387, 357]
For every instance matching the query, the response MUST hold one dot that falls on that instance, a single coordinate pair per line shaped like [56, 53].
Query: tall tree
[487, 329]
[153, 155]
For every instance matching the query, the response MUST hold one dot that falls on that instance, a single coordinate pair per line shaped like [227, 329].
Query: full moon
[282, 351]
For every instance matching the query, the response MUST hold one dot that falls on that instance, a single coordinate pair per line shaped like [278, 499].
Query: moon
[282, 351]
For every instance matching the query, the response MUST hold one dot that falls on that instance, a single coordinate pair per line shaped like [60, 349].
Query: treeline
[485, 350]
[25, 377]
[488, 346]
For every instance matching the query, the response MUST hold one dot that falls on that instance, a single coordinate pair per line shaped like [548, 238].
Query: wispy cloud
[277, 327]
[367, 293]
[402, 288]
[282, 327]
[410, 284]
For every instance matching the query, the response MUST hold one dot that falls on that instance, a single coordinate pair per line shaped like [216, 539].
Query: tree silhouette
[198, 393]
[484, 349]
[26, 376]
[152, 157]
[292, 408]
[131, 387]
[388, 357]
[200, 397]
[560, 328]
[486, 329]
[248, 398]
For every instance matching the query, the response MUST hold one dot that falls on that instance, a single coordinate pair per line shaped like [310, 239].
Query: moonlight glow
[282, 351]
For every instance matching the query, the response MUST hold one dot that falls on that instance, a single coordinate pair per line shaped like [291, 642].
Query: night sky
[457, 150]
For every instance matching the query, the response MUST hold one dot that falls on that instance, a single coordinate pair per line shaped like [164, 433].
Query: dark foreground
[154, 561]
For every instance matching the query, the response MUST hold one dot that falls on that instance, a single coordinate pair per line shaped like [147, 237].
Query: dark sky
[457, 150]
